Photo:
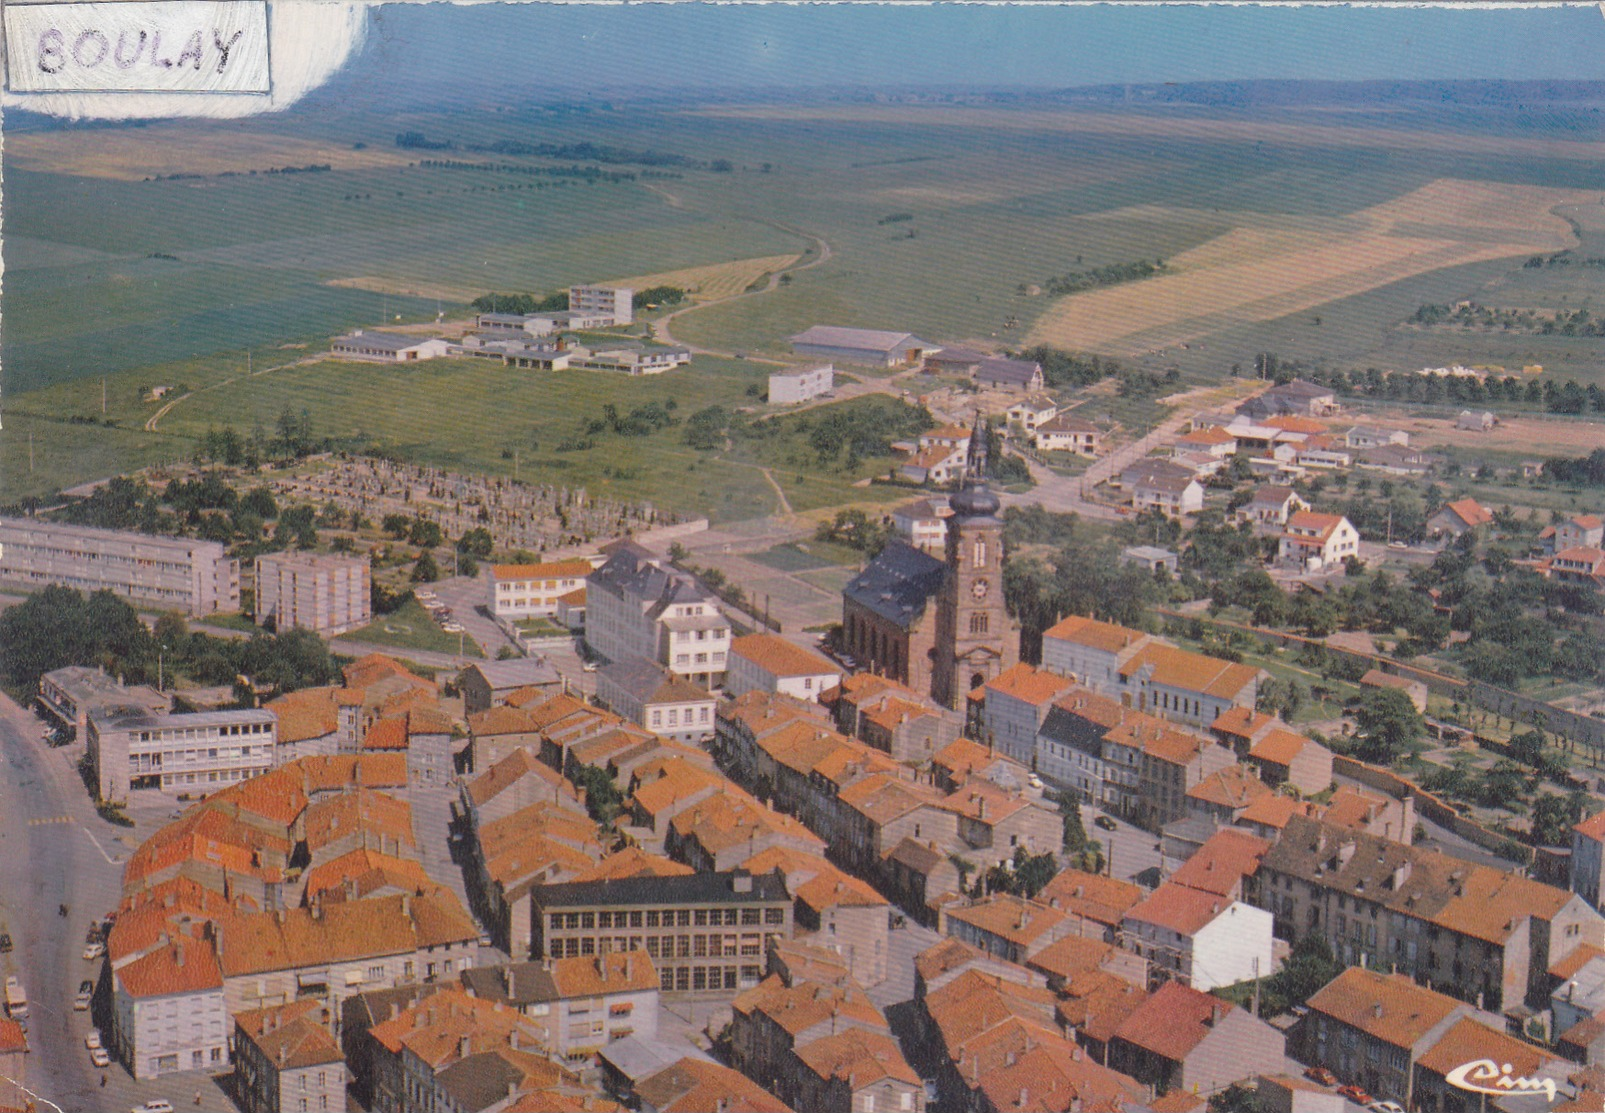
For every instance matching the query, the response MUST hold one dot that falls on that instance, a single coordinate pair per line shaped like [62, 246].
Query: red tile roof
[1173, 1021]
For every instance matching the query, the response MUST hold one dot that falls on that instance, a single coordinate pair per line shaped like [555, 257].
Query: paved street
[55, 850]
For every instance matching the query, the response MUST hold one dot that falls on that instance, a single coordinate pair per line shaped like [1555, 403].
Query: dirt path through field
[155, 418]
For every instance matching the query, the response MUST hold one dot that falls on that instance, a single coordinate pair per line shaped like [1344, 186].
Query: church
[938, 626]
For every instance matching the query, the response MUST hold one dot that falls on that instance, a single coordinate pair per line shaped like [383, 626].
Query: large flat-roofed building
[705, 932]
[195, 753]
[615, 302]
[327, 594]
[70, 695]
[179, 574]
[388, 347]
[861, 345]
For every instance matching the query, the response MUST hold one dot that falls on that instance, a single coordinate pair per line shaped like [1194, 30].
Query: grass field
[1311, 240]
[410, 627]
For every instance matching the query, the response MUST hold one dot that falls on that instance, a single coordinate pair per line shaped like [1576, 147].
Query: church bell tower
[974, 640]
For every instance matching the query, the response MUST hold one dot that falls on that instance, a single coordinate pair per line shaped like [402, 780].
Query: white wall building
[528, 590]
[617, 303]
[786, 387]
[770, 663]
[170, 1012]
[388, 347]
[328, 594]
[186, 753]
[1201, 939]
[637, 608]
[177, 574]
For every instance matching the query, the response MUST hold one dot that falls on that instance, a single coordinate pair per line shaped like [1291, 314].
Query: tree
[602, 799]
[477, 542]
[1554, 815]
[1388, 723]
[1310, 966]
[425, 533]
[1238, 1097]
[1032, 872]
[396, 525]
[425, 571]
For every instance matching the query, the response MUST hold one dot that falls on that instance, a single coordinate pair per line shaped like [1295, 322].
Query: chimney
[178, 955]
[1025, 1096]
[406, 904]
[1008, 1059]
[1214, 1015]
[463, 1043]
[629, 966]
[507, 979]
[1376, 1010]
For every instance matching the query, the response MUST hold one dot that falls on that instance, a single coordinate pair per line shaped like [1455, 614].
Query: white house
[169, 1010]
[1201, 939]
[1175, 495]
[637, 608]
[922, 525]
[770, 663]
[787, 387]
[1272, 505]
[1067, 433]
[1031, 411]
[1317, 540]
[388, 347]
[525, 590]
[649, 696]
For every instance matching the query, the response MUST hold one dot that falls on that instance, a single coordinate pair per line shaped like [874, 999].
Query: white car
[1034, 781]
[160, 1105]
[92, 1040]
[94, 950]
[80, 1003]
[99, 1057]
[452, 627]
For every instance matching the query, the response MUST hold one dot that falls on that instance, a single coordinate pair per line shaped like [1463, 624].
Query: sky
[687, 45]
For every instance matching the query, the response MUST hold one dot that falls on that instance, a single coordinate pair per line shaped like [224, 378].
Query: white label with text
[151, 46]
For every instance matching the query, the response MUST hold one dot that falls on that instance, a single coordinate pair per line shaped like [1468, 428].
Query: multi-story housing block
[705, 932]
[770, 663]
[636, 608]
[169, 1009]
[178, 574]
[581, 1004]
[616, 303]
[192, 753]
[328, 594]
[1471, 930]
[287, 1061]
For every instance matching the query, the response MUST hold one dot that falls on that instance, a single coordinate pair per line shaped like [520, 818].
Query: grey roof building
[645, 693]
[1009, 374]
[636, 608]
[898, 584]
[858, 345]
[486, 684]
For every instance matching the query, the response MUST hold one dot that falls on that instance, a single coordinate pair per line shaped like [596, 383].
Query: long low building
[179, 754]
[180, 574]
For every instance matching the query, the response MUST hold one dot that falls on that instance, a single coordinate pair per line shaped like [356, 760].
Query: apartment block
[328, 594]
[184, 753]
[787, 387]
[286, 1060]
[705, 932]
[617, 303]
[178, 574]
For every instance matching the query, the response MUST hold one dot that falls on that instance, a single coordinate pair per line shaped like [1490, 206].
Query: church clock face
[979, 589]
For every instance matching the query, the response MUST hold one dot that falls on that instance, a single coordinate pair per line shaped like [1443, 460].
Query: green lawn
[541, 628]
[410, 627]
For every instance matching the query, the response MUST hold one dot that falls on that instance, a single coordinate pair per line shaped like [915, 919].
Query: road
[55, 850]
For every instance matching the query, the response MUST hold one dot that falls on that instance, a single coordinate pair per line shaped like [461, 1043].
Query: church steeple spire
[973, 498]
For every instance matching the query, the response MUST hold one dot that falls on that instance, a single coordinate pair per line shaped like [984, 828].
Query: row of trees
[59, 626]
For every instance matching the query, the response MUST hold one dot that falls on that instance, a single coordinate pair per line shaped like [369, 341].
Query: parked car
[1354, 1094]
[86, 986]
[452, 627]
[589, 666]
[5, 943]
[80, 1003]
[94, 950]
[1034, 781]
[1321, 1075]
[1385, 1107]
[99, 1058]
[1106, 823]
[92, 1040]
[159, 1105]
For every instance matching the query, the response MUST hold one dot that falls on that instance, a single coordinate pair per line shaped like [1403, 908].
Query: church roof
[898, 584]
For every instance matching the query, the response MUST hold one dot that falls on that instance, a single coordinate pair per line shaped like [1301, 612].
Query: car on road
[1106, 823]
[1034, 781]
[94, 950]
[452, 627]
[80, 1003]
[159, 1105]
[5, 943]
[99, 1058]
[589, 666]
[1354, 1094]
[1321, 1075]
[92, 1040]
[1385, 1107]
[86, 986]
